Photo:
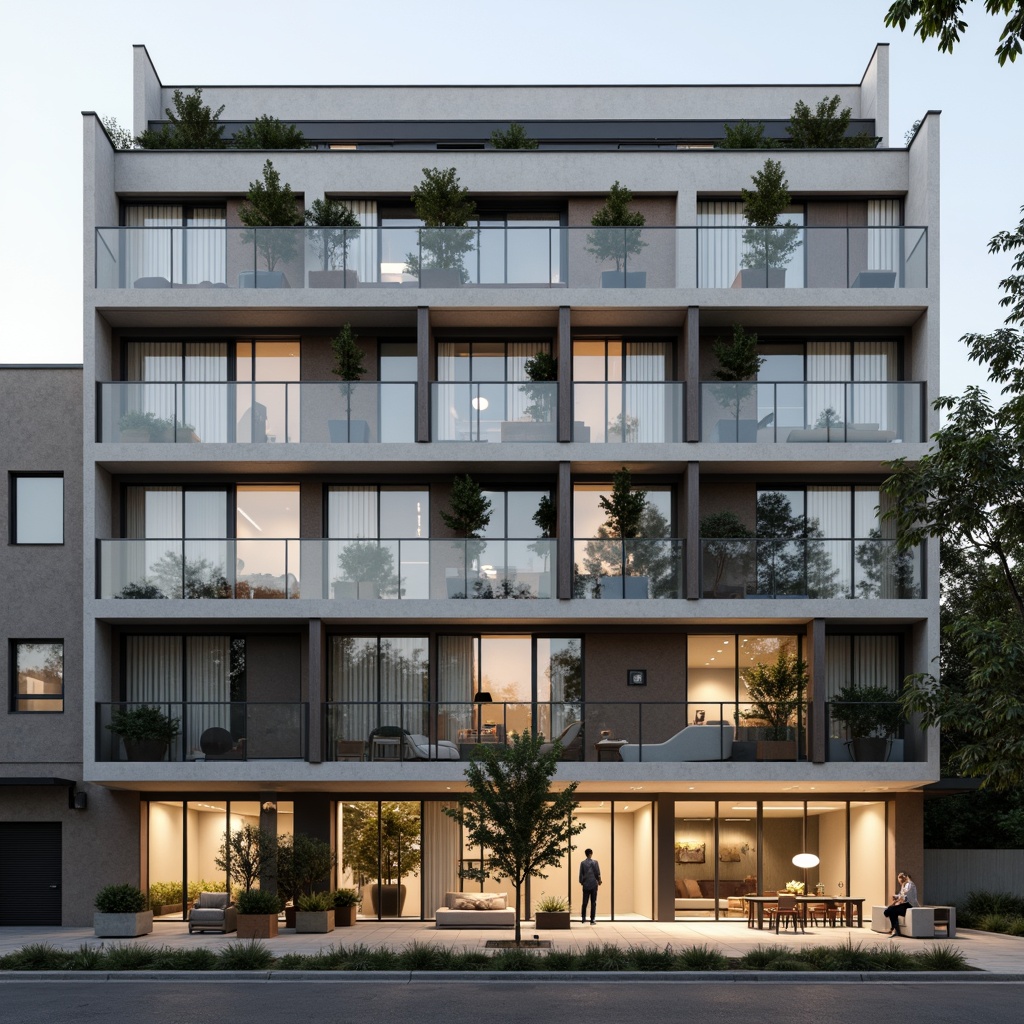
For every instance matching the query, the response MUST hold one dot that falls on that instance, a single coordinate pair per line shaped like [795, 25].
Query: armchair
[571, 741]
[213, 911]
[709, 742]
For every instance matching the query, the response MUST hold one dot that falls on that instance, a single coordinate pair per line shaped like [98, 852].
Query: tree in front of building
[941, 19]
[513, 815]
[269, 208]
[193, 125]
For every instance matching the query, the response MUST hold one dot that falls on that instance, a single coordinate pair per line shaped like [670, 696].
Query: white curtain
[516, 354]
[154, 521]
[353, 681]
[153, 675]
[156, 365]
[363, 255]
[719, 251]
[403, 681]
[830, 567]
[828, 366]
[205, 406]
[860, 661]
[884, 246]
[456, 683]
[876, 361]
[206, 246]
[352, 512]
[156, 252]
[643, 414]
[207, 682]
[441, 856]
[447, 403]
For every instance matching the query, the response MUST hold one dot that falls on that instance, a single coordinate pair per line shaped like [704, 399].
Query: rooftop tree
[193, 125]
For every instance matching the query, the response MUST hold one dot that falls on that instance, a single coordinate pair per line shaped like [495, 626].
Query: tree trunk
[519, 929]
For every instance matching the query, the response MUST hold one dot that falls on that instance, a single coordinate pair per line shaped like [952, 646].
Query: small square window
[37, 504]
[37, 675]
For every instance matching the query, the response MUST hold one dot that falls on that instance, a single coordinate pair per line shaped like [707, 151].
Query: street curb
[518, 977]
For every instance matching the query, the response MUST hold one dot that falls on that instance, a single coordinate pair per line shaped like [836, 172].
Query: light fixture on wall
[269, 805]
[77, 801]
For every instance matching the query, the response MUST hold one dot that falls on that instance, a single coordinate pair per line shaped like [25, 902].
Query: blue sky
[60, 57]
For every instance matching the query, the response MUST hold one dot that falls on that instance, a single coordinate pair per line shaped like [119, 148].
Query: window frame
[13, 479]
[15, 695]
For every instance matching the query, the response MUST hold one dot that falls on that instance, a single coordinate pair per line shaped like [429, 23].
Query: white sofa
[709, 742]
[475, 910]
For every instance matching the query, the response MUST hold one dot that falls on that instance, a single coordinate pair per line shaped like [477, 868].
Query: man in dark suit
[590, 879]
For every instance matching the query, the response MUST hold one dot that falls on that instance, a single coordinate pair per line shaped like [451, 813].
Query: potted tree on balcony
[540, 389]
[337, 228]
[738, 363]
[618, 237]
[367, 572]
[445, 208]
[775, 694]
[726, 555]
[768, 245]
[269, 210]
[387, 853]
[625, 509]
[145, 731]
[468, 513]
[871, 716]
[122, 911]
[349, 366]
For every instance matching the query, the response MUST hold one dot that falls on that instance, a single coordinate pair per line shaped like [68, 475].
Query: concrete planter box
[618, 279]
[333, 279]
[433, 277]
[257, 926]
[123, 926]
[776, 750]
[552, 919]
[314, 921]
[758, 278]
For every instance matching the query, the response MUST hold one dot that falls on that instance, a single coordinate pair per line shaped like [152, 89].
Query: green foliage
[867, 710]
[121, 899]
[195, 887]
[746, 136]
[761, 958]
[246, 853]
[316, 902]
[339, 228]
[737, 358]
[725, 525]
[120, 137]
[143, 722]
[624, 508]
[551, 904]
[348, 356]
[605, 957]
[303, 863]
[645, 958]
[824, 127]
[541, 367]
[513, 813]
[444, 206]
[365, 958]
[546, 516]
[542, 371]
[516, 959]
[249, 955]
[370, 561]
[981, 903]
[85, 958]
[36, 956]
[193, 125]
[968, 492]
[162, 894]
[398, 839]
[723, 547]
[775, 692]
[469, 511]
[125, 956]
[766, 245]
[269, 204]
[609, 243]
[941, 19]
[258, 901]
[942, 958]
[425, 956]
[347, 898]
[513, 137]
[701, 958]
[268, 132]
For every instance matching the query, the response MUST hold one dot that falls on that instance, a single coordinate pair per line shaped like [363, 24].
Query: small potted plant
[346, 906]
[258, 910]
[871, 715]
[552, 912]
[122, 911]
[619, 235]
[145, 730]
[315, 913]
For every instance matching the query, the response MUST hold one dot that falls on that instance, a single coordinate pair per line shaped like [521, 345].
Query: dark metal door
[30, 873]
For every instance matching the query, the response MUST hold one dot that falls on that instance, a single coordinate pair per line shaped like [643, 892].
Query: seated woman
[901, 902]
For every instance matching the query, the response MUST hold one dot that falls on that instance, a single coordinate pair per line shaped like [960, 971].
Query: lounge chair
[709, 742]
[571, 741]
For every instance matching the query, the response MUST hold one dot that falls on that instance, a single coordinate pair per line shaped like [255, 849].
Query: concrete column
[268, 823]
[691, 372]
[817, 738]
[317, 671]
[423, 374]
[563, 557]
[665, 857]
[906, 840]
[563, 343]
[692, 531]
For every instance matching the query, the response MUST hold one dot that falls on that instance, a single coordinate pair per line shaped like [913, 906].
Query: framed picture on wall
[728, 854]
[689, 853]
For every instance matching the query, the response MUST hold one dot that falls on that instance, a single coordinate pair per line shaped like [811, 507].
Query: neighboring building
[265, 557]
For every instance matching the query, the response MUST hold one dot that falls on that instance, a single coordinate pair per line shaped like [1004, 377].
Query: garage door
[30, 865]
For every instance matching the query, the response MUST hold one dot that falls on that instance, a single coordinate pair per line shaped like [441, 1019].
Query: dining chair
[788, 909]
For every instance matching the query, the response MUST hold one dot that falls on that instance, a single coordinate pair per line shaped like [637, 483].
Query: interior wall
[832, 849]
[867, 853]
[165, 823]
[783, 839]
[643, 860]
[622, 876]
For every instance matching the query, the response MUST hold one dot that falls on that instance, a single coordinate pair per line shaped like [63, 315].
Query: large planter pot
[145, 750]
[314, 921]
[630, 588]
[756, 278]
[134, 435]
[289, 916]
[617, 279]
[387, 900]
[257, 926]
[776, 750]
[869, 748]
[432, 277]
[345, 917]
[333, 279]
[552, 919]
[262, 279]
[123, 926]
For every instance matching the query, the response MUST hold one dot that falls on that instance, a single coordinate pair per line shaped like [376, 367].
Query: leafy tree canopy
[824, 127]
[121, 137]
[193, 125]
[745, 135]
[513, 137]
[268, 132]
[737, 358]
[942, 19]
[624, 507]
[441, 201]
[348, 356]
[769, 197]
[469, 510]
[268, 203]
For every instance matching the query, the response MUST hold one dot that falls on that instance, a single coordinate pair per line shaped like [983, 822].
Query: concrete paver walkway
[986, 951]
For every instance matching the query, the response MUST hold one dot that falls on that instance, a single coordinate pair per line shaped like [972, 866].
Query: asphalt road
[190, 1000]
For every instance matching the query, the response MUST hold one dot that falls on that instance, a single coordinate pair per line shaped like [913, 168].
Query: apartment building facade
[264, 554]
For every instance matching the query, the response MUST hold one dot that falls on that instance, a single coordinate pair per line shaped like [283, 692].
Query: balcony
[877, 412]
[215, 731]
[811, 568]
[343, 570]
[266, 412]
[494, 411]
[628, 412]
[511, 257]
[641, 568]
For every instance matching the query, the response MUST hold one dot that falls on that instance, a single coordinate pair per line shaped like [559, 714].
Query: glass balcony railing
[357, 569]
[814, 568]
[512, 257]
[802, 411]
[628, 412]
[495, 411]
[641, 568]
[211, 731]
[264, 412]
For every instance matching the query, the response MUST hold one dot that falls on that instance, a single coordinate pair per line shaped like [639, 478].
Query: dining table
[851, 905]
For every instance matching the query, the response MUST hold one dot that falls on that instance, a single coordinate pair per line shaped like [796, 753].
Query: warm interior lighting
[806, 860]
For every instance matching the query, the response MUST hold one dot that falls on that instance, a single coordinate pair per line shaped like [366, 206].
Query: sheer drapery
[205, 247]
[352, 512]
[363, 252]
[829, 565]
[876, 361]
[153, 675]
[403, 683]
[207, 686]
[441, 856]
[516, 354]
[353, 681]
[645, 371]
[884, 245]
[157, 366]
[205, 406]
[456, 683]
[450, 410]
[152, 253]
[719, 251]
[828, 367]
[861, 661]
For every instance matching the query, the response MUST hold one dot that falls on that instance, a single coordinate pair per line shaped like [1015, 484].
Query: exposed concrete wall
[953, 874]
[874, 92]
